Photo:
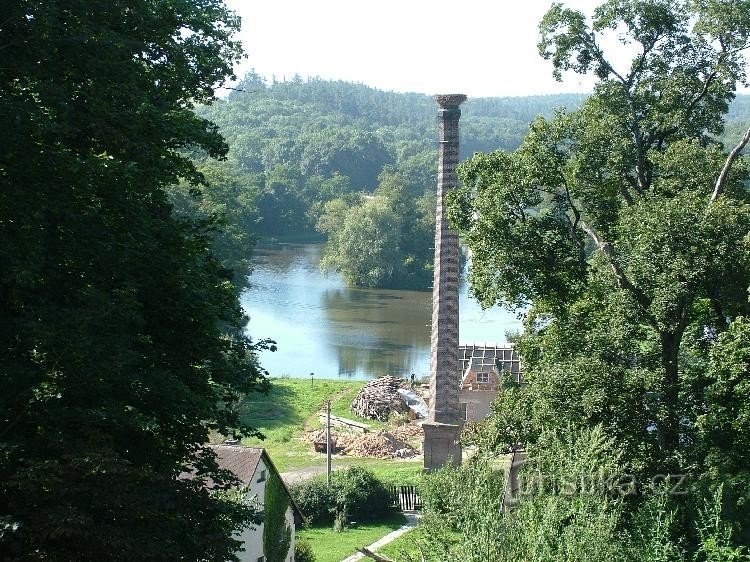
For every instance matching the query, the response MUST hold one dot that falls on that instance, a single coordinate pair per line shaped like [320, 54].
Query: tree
[384, 241]
[121, 338]
[623, 225]
[227, 206]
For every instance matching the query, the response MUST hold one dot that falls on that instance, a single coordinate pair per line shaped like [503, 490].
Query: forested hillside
[353, 164]
[347, 162]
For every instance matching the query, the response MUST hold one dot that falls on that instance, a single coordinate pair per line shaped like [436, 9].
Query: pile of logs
[379, 398]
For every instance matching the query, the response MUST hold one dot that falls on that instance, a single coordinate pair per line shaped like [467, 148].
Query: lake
[324, 327]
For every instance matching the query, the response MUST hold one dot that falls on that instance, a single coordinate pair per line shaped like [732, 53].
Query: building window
[483, 377]
[262, 477]
[464, 411]
[261, 559]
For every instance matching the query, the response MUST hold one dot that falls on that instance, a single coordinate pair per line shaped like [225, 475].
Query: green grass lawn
[282, 414]
[405, 544]
[331, 546]
[389, 471]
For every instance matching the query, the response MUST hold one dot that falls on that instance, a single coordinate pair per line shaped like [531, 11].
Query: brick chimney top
[450, 100]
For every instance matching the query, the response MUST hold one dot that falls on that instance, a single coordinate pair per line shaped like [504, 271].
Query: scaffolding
[489, 355]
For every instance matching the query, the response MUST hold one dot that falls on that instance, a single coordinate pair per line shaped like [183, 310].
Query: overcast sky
[475, 47]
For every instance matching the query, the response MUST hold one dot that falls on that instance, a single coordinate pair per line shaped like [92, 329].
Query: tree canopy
[121, 337]
[624, 226]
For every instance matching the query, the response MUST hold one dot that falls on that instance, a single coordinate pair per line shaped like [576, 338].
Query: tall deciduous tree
[623, 224]
[121, 339]
[384, 241]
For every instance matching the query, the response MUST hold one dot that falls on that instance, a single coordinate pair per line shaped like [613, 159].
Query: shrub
[360, 494]
[355, 492]
[303, 552]
[315, 500]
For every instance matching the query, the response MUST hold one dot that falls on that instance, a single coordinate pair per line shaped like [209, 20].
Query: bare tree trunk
[669, 425]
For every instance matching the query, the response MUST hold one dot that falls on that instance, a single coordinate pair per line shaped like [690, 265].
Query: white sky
[475, 47]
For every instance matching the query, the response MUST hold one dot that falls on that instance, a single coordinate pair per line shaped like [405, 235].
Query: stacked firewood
[379, 398]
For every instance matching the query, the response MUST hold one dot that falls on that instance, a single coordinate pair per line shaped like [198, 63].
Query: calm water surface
[323, 326]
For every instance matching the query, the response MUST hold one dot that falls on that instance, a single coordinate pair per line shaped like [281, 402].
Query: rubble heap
[396, 444]
[380, 445]
[408, 432]
[379, 398]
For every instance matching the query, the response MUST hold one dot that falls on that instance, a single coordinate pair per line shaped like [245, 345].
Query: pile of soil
[379, 445]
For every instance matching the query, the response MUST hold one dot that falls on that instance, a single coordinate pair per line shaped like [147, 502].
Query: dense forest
[347, 162]
[351, 164]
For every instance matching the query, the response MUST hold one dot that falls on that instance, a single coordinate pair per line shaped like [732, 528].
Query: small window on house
[483, 377]
[262, 478]
[464, 411]
[262, 558]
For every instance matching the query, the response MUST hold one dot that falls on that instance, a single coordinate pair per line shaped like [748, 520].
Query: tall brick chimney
[443, 426]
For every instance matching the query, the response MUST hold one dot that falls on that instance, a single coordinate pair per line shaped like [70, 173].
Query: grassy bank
[284, 413]
[292, 406]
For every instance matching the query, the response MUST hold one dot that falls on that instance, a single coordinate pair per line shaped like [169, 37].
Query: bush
[360, 494]
[355, 492]
[303, 552]
[315, 500]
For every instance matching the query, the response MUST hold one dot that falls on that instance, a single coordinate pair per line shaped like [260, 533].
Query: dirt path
[301, 474]
[311, 417]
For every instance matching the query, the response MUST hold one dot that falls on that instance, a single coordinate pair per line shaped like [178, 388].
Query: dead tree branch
[722, 180]
[375, 556]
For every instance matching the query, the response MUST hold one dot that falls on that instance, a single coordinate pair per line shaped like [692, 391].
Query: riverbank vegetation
[315, 157]
[350, 162]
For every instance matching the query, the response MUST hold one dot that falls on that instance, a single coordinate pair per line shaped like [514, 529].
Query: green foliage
[277, 534]
[303, 551]
[316, 500]
[122, 339]
[354, 493]
[227, 205]
[384, 241]
[623, 227]
[606, 220]
[360, 494]
[308, 143]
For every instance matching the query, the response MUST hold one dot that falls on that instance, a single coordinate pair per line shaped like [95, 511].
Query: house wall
[290, 522]
[252, 537]
[477, 403]
[476, 395]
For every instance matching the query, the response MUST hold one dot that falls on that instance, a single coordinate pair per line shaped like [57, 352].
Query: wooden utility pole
[328, 442]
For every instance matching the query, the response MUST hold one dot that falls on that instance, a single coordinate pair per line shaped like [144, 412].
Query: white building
[253, 467]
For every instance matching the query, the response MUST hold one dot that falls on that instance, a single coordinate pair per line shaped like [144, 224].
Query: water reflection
[324, 327]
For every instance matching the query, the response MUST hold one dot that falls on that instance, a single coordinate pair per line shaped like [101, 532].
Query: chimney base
[441, 445]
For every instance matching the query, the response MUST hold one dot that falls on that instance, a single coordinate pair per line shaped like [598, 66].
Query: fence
[406, 498]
